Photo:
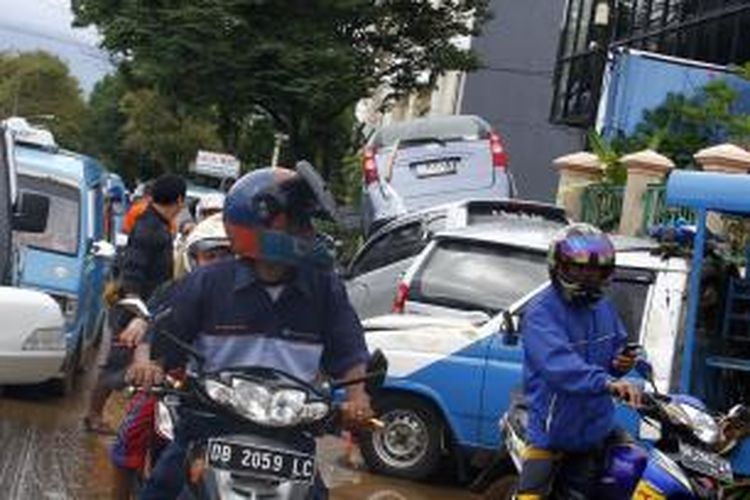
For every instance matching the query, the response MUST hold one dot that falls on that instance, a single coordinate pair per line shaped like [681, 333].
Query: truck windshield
[63, 226]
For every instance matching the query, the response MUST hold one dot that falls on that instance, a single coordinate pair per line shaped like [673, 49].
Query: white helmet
[211, 202]
[209, 234]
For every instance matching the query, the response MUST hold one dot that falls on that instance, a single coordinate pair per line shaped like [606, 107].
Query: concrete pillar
[577, 171]
[644, 168]
[728, 159]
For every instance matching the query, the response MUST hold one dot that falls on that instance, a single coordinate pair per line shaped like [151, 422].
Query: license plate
[645, 491]
[260, 461]
[437, 168]
[705, 462]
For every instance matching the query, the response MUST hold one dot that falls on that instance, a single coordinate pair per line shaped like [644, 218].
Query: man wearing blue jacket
[574, 353]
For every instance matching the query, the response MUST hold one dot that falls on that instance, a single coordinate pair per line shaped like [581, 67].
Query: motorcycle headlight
[703, 425]
[273, 407]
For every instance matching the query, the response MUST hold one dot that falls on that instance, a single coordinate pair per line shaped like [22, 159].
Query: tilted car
[373, 274]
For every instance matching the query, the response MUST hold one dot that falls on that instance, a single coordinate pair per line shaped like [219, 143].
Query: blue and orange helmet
[581, 262]
[268, 215]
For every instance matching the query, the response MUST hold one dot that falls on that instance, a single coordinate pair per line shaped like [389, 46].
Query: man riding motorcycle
[275, 305]
[574, 352]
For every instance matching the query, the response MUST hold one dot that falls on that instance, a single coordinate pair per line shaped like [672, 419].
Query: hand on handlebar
[145, 373]
[627, 392]
[132, 335]
[356, 411]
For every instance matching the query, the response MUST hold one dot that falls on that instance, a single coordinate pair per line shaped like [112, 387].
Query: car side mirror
[377, 369]
[32, 213]
[103, 250]
[510, 332]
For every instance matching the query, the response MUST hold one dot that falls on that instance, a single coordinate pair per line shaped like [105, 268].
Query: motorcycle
[688, 461]
[258, 424]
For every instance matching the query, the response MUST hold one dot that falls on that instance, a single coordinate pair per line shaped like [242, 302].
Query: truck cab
[64, 260]
[32, 341]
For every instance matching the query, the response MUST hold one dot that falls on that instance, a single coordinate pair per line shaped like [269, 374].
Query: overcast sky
[46, 24]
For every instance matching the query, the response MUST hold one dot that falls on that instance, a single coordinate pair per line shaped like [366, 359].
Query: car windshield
[478, 276]
[430, 130]
[63, 225]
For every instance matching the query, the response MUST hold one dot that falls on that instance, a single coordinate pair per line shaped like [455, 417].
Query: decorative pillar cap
[582, 162]
[724, 158]
[647, 161]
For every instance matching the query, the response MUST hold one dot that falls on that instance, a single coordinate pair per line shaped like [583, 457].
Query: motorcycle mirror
[510, 335]
[377, 368]
[136, 307]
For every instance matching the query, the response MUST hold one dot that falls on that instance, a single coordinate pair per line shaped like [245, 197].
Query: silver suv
[430, 161]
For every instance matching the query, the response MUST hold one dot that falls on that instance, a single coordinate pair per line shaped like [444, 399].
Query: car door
[94, 268]
[376, 271]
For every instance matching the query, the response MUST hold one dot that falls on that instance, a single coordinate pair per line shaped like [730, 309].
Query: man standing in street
[147, 263]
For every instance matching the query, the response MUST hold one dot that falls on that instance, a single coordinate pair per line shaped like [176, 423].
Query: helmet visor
[587, 275]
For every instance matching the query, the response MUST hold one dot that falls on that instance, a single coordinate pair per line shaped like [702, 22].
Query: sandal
[97, 426]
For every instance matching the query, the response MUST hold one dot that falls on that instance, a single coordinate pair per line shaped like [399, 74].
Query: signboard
[218, 165]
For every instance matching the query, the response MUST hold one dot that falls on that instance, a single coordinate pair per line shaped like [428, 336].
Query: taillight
[399, 302]
[499, 157]
[369, 167]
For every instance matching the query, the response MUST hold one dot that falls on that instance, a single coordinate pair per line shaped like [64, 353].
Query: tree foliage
[301, 63]
[160, 137]
[40, 86]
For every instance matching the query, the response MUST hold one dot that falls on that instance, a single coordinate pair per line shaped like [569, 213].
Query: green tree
[161, 138]
[304, 64]
[36, 84]
[103, 130]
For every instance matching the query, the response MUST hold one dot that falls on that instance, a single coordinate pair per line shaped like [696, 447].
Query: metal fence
[656, 212]
[601, 205]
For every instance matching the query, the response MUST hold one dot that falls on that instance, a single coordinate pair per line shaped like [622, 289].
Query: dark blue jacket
[568, 355]
[229, 316]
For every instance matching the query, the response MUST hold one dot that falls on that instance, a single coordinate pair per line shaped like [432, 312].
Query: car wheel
[410, 443]
[503, 489]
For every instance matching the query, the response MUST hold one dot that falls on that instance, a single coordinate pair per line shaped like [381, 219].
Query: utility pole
[279, 139]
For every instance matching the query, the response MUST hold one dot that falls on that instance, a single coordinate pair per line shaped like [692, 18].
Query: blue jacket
[568, 355]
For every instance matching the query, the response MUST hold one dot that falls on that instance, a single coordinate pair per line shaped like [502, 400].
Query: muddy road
[45, 454]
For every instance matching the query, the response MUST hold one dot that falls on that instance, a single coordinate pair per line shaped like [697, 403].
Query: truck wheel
[503, 489]
[410, 443]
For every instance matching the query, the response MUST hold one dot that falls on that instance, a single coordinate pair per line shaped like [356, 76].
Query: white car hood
[412, 342]
[24, 311]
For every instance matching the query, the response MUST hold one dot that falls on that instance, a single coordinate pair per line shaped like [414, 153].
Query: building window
[714, 31]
